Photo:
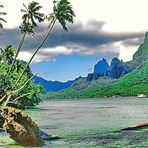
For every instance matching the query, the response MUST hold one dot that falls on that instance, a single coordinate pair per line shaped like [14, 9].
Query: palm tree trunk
[21, 127]
[18, 50]
[41, 44]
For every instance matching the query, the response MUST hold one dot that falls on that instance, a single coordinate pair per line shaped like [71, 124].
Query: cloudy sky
[102, 28]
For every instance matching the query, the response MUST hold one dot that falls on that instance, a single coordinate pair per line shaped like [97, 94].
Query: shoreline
[102, 98]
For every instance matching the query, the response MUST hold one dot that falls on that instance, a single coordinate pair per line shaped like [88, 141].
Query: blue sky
[65, 67]
[101, 29]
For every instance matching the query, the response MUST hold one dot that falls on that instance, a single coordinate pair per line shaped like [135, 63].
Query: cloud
[46, 54]
[133, 42]
[89, 35]
[89, 39]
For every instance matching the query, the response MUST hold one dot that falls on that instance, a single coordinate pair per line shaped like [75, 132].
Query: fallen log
[138, 126]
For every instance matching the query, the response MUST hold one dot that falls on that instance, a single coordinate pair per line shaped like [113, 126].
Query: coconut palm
[1, 19]
[62, 12]
[31, 14]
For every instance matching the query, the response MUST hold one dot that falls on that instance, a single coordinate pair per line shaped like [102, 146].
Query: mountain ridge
[130, 84]
[52, 85]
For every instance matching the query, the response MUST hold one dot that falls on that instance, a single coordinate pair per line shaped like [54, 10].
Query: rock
[100, 68]
[141, 96]
[21, 128]
[90, 77]
[45, 136]
[118, 68]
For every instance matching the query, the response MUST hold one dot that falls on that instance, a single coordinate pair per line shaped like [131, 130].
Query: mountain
[141, 55]
[52, 85]
[132, 79]
[118, 69]
[115, 70]
[131, 84]
[100, 68]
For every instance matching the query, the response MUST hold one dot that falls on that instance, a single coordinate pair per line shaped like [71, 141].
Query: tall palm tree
[1, 19]
[62, 12]
[31, 14]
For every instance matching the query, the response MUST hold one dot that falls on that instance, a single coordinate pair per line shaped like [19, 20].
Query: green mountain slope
[82, 89]
[141, 55]
[131, 84]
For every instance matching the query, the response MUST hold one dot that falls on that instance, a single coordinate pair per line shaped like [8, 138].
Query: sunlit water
[91, 123]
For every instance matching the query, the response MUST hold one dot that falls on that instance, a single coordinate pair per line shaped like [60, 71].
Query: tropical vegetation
[62, 12]
[16, 87]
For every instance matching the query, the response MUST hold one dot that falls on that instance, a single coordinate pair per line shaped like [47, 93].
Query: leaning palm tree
[1, 19]
[31, 14]
[19, 125]
[62, 12]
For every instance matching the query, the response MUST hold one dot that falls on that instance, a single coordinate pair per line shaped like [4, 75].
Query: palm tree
[62, 12]
[7, 54]
[31, 13]
[1, 19]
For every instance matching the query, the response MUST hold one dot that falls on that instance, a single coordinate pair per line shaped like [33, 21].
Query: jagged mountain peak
[101, 66]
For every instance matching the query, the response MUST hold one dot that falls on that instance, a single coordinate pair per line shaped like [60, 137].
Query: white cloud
[46, 54]
[119, 15]
[126, 54]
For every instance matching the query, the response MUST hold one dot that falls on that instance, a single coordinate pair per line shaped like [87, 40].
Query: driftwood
[138, 126]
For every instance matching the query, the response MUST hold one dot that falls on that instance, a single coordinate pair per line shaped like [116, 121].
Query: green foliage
[131, 84]
[141, 55]
[32, 92]
[82, 89]
[7, 54]
[31, 13]
[16, 73]
[62, 11]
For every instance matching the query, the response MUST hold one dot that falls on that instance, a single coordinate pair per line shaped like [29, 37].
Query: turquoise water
[90, 123]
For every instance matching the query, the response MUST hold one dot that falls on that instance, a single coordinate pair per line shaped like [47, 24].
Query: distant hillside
[131, 84]
[82, 89]
[141, 55]
[115, 70]
[52, 85]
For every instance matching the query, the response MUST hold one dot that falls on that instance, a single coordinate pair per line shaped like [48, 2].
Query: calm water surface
[91, 123]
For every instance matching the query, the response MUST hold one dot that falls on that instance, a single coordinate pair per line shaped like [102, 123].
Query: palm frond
[1, 19]
[63, 12]
[31, 14]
